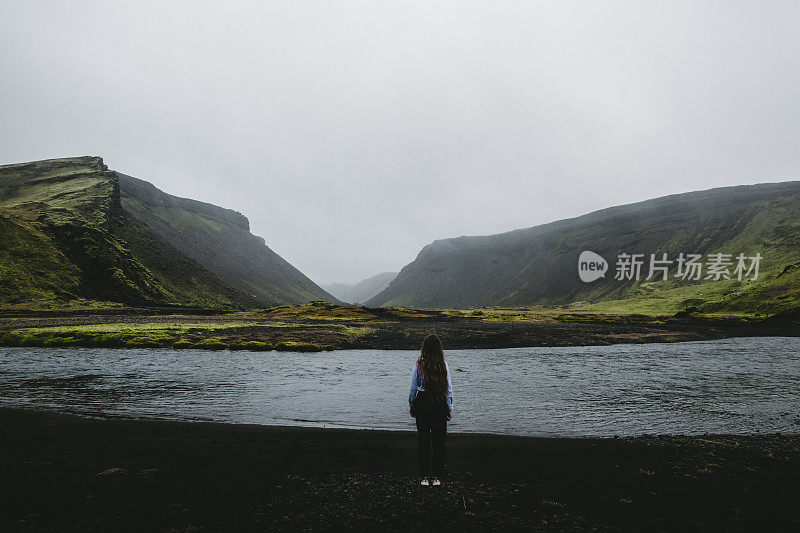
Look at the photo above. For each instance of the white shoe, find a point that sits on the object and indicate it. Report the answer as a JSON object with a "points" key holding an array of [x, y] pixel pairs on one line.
{"points": [[436, 482], [425, 482]]}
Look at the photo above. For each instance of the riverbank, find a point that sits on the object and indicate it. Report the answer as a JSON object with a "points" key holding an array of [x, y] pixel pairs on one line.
{"points": [[62, 472], [320, 326]]}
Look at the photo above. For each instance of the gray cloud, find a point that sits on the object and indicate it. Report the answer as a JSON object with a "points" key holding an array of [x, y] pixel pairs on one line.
{"points": [[353, 133]]}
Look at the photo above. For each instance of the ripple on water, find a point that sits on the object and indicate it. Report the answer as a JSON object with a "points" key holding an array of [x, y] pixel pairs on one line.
{"points": [[744, 385]]}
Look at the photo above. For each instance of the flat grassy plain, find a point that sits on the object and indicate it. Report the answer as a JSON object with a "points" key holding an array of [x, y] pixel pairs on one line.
{"points": [[321, 326]]}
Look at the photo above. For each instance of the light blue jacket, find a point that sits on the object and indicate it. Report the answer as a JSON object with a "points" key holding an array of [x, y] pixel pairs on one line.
{"points": [[416, 385]]}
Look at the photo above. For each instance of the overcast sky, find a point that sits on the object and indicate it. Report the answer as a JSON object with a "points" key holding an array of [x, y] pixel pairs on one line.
{"points": [[351, 134]]}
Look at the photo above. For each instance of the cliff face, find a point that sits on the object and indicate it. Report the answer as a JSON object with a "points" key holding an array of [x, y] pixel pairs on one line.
{"points": [[147, 194], [220, 241], [539, 265], [58, 190], [74, 231]]}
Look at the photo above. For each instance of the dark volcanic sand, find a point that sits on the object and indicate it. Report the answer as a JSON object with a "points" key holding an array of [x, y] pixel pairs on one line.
{"points": [[61, 472]]}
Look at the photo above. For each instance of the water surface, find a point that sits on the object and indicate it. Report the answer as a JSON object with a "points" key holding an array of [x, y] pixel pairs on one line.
{"points": [[744, 385]]}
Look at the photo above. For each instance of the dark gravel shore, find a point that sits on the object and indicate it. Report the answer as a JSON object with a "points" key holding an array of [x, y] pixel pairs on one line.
{"points": [[61, 472]]}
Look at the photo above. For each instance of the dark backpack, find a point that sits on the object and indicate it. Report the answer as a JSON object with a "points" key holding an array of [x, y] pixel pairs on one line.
{"points": [[428, 403]]}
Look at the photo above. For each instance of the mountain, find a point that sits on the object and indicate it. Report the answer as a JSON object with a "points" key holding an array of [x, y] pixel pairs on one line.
{"points": [[363, 290], [539, 265], [74, 232]]}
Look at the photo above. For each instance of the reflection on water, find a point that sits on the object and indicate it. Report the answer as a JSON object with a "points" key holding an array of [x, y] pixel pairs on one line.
{"points": [[729, 386]]}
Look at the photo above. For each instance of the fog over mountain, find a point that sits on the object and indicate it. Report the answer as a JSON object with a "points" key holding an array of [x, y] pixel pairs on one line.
{"points": [[354, 133], [363, 290], [539, 265]]}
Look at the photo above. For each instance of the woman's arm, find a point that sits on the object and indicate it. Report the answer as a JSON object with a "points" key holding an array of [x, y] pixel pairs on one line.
{"points": [[449, 395], [413, 392]]}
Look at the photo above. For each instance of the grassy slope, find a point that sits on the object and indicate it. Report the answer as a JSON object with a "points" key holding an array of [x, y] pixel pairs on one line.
{"points": [[537, 266], [183, 280], [32, 268], [59, 250], [69, 244], [66, 244], [772, 229], [219, 240]]}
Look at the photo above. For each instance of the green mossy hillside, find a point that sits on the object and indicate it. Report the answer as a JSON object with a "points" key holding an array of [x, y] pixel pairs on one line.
{"points": [[538, 266], [69, 242]]}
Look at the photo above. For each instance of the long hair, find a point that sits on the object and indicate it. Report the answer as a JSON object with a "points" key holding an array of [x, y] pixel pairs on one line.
{"points": [[431, 364]]}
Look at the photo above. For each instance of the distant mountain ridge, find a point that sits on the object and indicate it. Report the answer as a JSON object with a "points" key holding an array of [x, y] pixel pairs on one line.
{"points": [[538, 265], [362, 291], [73, 230]]}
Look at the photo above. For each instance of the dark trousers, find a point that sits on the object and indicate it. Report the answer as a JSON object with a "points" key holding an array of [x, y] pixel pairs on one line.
{"points": [[431, 429]]}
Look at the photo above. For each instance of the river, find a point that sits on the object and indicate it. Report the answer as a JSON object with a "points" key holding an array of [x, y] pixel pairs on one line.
{"points": [[737, 386]]}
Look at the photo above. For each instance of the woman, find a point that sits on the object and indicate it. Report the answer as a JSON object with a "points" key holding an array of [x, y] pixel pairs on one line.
{"points": [[431, 403]]}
